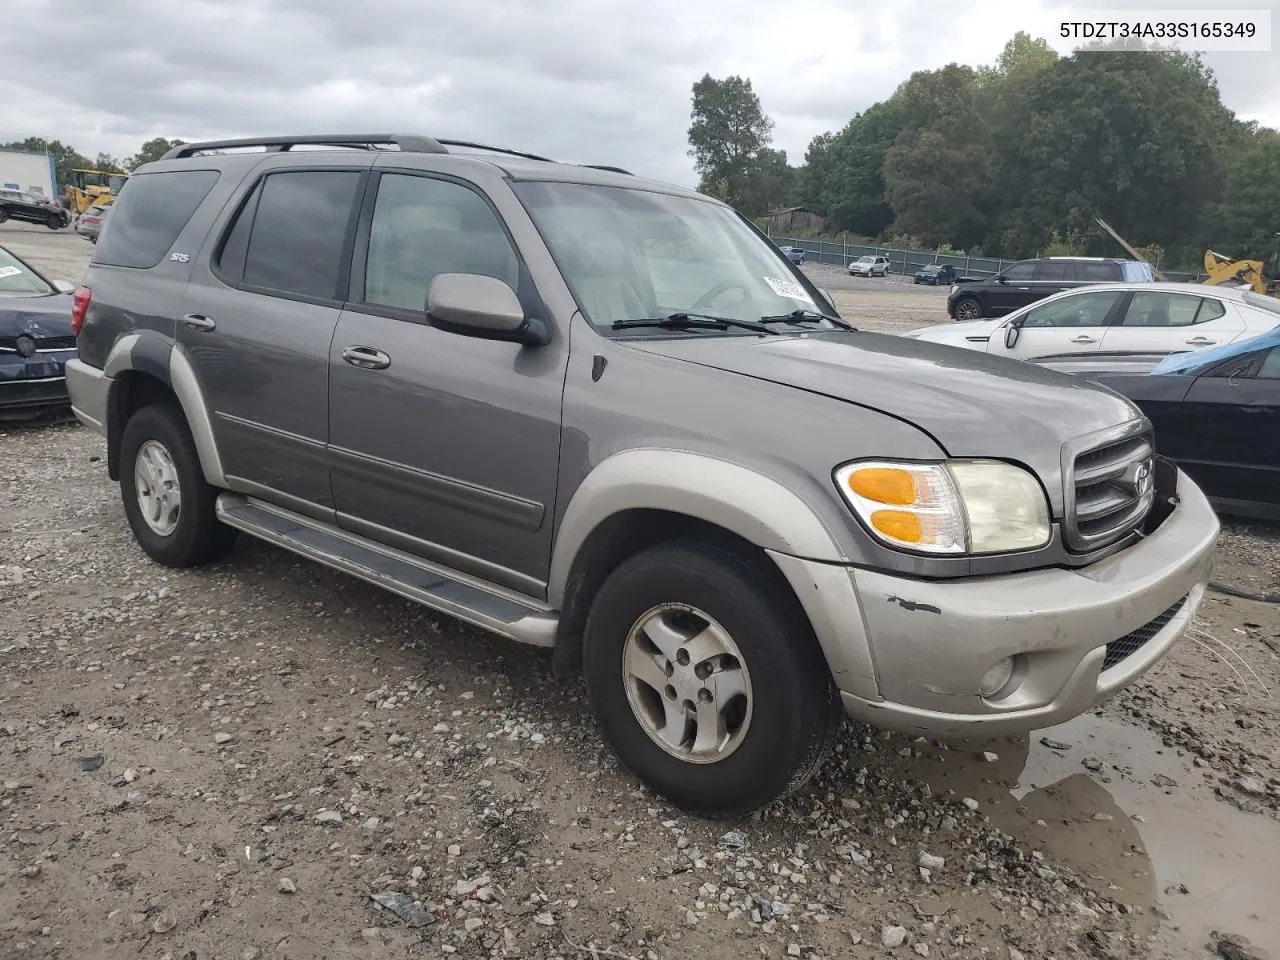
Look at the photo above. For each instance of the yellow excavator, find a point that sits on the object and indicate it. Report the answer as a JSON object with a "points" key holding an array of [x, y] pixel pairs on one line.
{"points": [[88, 188], [1251, 273]]}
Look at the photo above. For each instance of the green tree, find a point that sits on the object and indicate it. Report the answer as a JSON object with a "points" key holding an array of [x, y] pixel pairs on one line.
{"points": [[728, 135], [1244, 220], [106, 161], [844, 172], [152, 150]]}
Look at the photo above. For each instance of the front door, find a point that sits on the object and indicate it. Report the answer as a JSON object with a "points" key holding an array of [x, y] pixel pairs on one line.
{"points": [[1071, 325], [1155, 321], [258, 318], [450, 449], [1012, 288]]}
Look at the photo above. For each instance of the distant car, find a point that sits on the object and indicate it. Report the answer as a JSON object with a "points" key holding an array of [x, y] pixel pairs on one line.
{"points": [[16, 205], [1030, 280], [869, 267], [1122, 320], [794, 254], [935, 274], [1217, 415], [35, 341], [89, 224]]}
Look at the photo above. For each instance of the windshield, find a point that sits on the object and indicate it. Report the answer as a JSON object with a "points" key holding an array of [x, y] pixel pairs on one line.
{"points": [[19, 280], [634, 254], [1196, 362], [866, 259]]}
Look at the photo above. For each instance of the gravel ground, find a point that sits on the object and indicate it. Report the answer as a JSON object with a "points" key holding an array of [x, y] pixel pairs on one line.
{"points": [[268, 759]]}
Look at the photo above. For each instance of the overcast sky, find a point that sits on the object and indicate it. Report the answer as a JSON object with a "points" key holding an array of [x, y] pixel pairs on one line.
{"points": [[590, 81]]}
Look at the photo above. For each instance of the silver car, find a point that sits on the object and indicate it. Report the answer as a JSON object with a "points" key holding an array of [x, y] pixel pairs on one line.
{"points": [[606, 416], [89, 224]]}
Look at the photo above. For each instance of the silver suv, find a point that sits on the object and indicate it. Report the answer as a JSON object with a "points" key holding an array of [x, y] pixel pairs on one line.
{"points": [[607, 416]]}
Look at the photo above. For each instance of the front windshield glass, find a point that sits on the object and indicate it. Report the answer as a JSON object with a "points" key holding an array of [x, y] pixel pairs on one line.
{"points": [[18, 280], [634, 254]]}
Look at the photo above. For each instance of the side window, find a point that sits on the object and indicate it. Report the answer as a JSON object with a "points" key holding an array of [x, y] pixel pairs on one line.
{"points": [[1020, 272], [1169, 310], [1096, 272], [1052, 270], [423, 227], [1080, 310], [148, 215], [1270, 369], [293, 231]]}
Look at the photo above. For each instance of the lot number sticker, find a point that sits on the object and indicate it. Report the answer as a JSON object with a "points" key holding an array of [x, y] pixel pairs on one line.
{"points": [[789, 289], [9, 272]]}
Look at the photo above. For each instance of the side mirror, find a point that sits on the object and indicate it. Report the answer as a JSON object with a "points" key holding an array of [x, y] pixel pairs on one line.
{"points": [[1011, 334], [999, 279], [64, 286], [473, 305]]}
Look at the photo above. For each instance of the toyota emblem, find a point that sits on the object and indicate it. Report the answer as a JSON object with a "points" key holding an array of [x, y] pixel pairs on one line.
{"points": [[1142, 479], [26, 346]]}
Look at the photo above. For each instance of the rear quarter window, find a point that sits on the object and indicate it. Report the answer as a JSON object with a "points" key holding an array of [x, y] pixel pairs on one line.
{"points": [[1094, 272], [148, 215]]}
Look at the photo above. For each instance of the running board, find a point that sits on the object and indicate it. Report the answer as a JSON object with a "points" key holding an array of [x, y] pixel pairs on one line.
{"points": [[434, 586]]}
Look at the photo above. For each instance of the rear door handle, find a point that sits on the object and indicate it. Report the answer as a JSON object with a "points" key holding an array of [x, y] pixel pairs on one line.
{"points": [[1200, 341], [1083, 339], [366, 357], [198, 321]]}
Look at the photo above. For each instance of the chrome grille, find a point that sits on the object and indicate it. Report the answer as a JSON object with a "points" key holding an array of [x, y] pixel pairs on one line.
{"points": [[1111, 488], [10, 344]]}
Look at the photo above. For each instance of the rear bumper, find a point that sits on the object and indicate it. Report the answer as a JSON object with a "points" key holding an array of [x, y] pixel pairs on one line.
{"points": [[910, 655], [88, 388]]}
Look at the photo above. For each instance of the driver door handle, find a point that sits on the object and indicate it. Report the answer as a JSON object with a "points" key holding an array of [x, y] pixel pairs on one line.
{"points": [[366, 357], [1200, 341], [1083, 339]]}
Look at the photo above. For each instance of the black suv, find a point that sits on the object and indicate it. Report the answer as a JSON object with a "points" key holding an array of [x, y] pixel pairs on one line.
{"points": [[16, 205], [1030, 280]]}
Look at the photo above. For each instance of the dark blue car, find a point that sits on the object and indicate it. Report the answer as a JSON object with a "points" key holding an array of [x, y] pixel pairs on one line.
{"points": [[35, 341]]}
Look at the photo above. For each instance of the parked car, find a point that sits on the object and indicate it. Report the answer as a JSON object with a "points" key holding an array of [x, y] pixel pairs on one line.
{"points": [[1216, 413], [869, 267], [89, 224], [1122, 320], [35, 341], [1030, 280], [935, 273], [16, 205], [465, 377], [794, 254]]}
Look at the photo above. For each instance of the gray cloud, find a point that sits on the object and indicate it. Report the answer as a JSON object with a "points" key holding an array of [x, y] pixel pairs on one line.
{"points": [[601, 81]]}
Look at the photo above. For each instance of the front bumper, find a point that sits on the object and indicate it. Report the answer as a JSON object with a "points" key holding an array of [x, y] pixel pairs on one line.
{"points": [[32, 387], [910, 655]]}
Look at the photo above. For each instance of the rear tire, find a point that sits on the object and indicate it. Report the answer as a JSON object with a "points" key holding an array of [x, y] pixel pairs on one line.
{"points": [[735, 659], [4, 215], [54, 222], [168, 502]]}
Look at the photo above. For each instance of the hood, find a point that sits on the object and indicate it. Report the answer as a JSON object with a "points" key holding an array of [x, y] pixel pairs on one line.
{"points": [[972, 404], [40, 317]]}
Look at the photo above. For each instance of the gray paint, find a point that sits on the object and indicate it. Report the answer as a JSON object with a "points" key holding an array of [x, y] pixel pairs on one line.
{"points": [[466, 473]]}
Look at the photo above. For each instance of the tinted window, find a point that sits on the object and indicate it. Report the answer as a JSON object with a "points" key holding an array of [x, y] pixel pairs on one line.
{"points": [[1096, 272], [298, 232], [1080, 310], [1169, 310], [424, 227], [1021, 271], [1135, 272], [1052, 270], [148, 215], [1270, 369]]}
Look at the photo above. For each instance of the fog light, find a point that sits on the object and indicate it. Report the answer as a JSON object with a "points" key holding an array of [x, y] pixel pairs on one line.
{"points": [[995, 679]]}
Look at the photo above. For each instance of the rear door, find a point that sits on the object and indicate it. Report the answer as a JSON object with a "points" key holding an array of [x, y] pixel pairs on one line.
{"points": [[1159, 321], [258, 320], [1067, 326], [1231, 416]]}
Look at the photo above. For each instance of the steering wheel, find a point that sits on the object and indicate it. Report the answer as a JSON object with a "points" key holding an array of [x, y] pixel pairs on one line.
{"points": [[723, 286]]}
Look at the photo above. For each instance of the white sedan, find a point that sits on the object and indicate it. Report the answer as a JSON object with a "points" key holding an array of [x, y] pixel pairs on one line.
{"points": [[1115, 319]]}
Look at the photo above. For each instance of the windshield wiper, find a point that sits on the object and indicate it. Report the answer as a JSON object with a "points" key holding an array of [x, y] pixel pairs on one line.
{"points": [[808, 316], [692, 321]]}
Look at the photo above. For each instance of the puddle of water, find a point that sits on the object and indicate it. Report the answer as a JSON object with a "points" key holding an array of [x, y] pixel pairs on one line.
{"points": [[1228, 860]]}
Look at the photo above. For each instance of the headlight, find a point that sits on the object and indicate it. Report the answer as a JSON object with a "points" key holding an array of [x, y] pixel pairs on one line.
{"points": [[957, 507], [954, 287]]}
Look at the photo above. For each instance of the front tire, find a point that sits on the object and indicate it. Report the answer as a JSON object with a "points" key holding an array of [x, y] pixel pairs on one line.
{"points": [[167, 501], [968, 309], [706, 678]]}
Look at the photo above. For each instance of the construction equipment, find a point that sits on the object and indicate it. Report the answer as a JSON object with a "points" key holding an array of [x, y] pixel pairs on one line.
{"points": [[89, 188], [1250, 273]]}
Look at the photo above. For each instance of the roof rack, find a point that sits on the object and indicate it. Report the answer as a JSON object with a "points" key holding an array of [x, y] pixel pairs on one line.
{"points": [[360, 141]]}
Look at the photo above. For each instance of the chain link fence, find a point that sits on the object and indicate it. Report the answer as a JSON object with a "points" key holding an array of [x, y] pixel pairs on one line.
{"points": [[905, 261]]}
